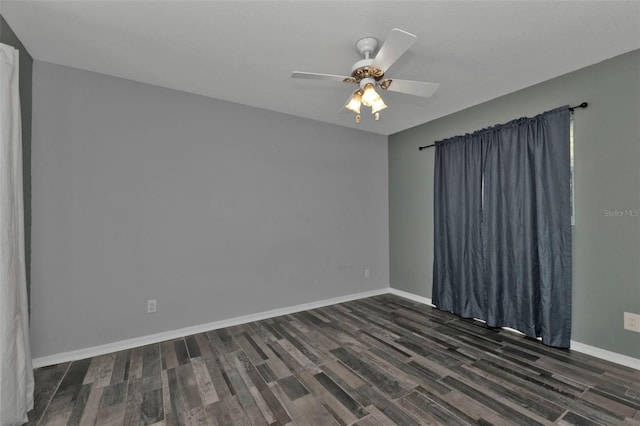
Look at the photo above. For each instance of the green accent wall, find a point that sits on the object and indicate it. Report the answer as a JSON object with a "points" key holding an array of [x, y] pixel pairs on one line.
{"points": [[7, 36], [606, 235]]}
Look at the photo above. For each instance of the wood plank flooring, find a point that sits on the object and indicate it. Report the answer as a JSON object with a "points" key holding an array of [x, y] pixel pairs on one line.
{"points": [[383, 360]]}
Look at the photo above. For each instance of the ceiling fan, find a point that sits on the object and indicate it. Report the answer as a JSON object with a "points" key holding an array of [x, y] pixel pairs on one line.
{"points": [[369, 73]]}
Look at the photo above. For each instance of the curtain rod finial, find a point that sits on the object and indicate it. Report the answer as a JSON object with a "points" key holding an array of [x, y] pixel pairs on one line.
{"points": [[582, 105]]}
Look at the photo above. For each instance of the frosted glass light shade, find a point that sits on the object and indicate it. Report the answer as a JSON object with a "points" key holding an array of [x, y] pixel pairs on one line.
{"points": [[370, 95], [378, 105], [355, 102]]}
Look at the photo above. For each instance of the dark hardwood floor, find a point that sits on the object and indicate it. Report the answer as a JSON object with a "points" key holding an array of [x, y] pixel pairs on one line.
{"points": [[381, 360]]}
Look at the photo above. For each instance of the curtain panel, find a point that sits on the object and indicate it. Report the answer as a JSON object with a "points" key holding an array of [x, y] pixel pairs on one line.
{"points": [[16, 375], [458, 260], [503, 226]]}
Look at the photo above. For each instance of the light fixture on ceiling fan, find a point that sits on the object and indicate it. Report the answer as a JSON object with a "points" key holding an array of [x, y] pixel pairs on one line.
{"points": [[368, 97], [369, 72]]}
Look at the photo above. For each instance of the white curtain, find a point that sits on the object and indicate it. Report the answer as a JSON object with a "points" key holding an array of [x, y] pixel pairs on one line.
{"points": [[16, 374]]}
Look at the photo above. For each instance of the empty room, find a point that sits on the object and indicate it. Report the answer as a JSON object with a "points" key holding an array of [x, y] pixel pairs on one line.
{"points": [[319, 212]]}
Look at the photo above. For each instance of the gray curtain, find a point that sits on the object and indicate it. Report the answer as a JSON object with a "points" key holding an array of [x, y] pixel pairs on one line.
{"points": [[525, 227], [458, 264]]}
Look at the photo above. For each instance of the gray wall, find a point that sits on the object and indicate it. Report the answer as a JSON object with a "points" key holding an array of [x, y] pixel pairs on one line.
{"points": [[7, 36], [216, 210], [606, 279]]}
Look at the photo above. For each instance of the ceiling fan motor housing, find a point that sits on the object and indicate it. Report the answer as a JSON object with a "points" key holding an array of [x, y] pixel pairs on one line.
{"points": [[363, 69]]}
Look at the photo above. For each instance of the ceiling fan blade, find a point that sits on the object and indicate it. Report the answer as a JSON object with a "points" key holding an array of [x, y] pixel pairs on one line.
{"points": [[394, 46], [318, 76], [416, 88]]}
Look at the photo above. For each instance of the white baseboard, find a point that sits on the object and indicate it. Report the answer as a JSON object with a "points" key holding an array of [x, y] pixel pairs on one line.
{"points": [[187, 331], [411, 296], [614, 357]]}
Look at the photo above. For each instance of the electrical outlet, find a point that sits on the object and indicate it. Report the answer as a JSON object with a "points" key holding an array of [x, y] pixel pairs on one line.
{"points": [[632, 322], [151, 306], [366, 273]]}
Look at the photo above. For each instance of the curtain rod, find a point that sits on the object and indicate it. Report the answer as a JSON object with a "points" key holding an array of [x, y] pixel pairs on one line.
{"points": [[573, 108]]}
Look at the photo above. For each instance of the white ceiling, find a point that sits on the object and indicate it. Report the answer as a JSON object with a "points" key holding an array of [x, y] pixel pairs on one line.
{"points": [[245, 51]]}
